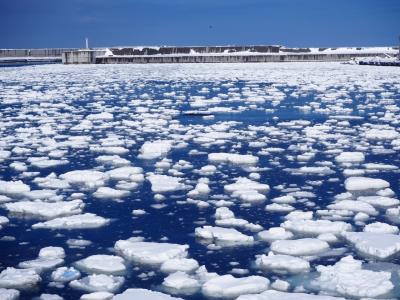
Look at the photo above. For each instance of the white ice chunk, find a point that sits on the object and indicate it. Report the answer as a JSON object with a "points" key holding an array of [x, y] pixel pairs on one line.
{"points": [[299, 215], [317, 227], [97, 296], [124, 173], [223, 236], [86, 178], [52, 252], [379, 227], [232, 158], [243, 183], [64, 274], [46, 210], [164, 183], [207, 170], [229, 287], [354, 206], [350, 157], [41, 195], [181, 282], [105, 192], [247, 190], [300, 247], [381, 134], [44, 163], [13, 188], [276, 295], [201, 189], [379, 201], [156, 149], [347, 278], [150, 252], [9, 294], [97, 283], [41, 264], [223, 213], [142, 294], [103, 116], [187, 265], [87, 220], [276, 207], [104, 264], [20, 279], [113, 160], [282, 264], [373, 244], [274, 233], [354, 184], [138, 212]]}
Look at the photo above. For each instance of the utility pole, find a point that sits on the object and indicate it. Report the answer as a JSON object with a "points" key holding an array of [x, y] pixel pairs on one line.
{"points": [[398, 56], [87, 43]]}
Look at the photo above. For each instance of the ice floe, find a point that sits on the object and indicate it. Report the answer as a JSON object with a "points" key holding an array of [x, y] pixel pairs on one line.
{"points": [[102, 264], [164, 183], [277, 295], [374, 244], [354, 184], [13, 188], [181, 283], [9, 294], [85, 178], [156, 149], [282, 264], [82, 221], [187, 265], [140, 294], [98, 282], [105, 192], [350, 157], [232, 158], [150, 252], [20, 279], [347, 278], [45, 210], [223, 236], [300, 247], [229, 287], [65, 274], [317, 227]]}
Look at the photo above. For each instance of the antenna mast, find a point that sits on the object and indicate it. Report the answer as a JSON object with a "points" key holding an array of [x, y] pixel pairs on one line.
{"points": [[87, 43], [398, 56]]}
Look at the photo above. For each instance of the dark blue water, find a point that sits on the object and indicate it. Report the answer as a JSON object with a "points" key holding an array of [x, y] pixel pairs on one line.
{"points": [[178, 221]]}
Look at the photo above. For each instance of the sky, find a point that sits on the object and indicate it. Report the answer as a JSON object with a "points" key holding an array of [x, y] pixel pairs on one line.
{"points": [[292, 23]]}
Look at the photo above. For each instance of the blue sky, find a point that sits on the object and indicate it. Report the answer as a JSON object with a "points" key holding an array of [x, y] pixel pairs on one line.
{"points": [[294, 23]]}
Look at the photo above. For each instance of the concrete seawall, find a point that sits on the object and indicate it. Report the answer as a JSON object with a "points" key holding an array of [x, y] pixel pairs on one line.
{"points": [[230, 58], [191, 54], [48, 52]]}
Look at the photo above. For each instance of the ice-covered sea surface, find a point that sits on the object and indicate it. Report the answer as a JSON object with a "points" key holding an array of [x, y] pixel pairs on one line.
{"points": [[200, 181]]}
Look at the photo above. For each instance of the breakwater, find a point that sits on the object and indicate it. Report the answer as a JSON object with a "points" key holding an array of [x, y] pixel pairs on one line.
{"points": [[23, 57], [45, 52], [219, 54], [186, 54], [229, 58]]}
